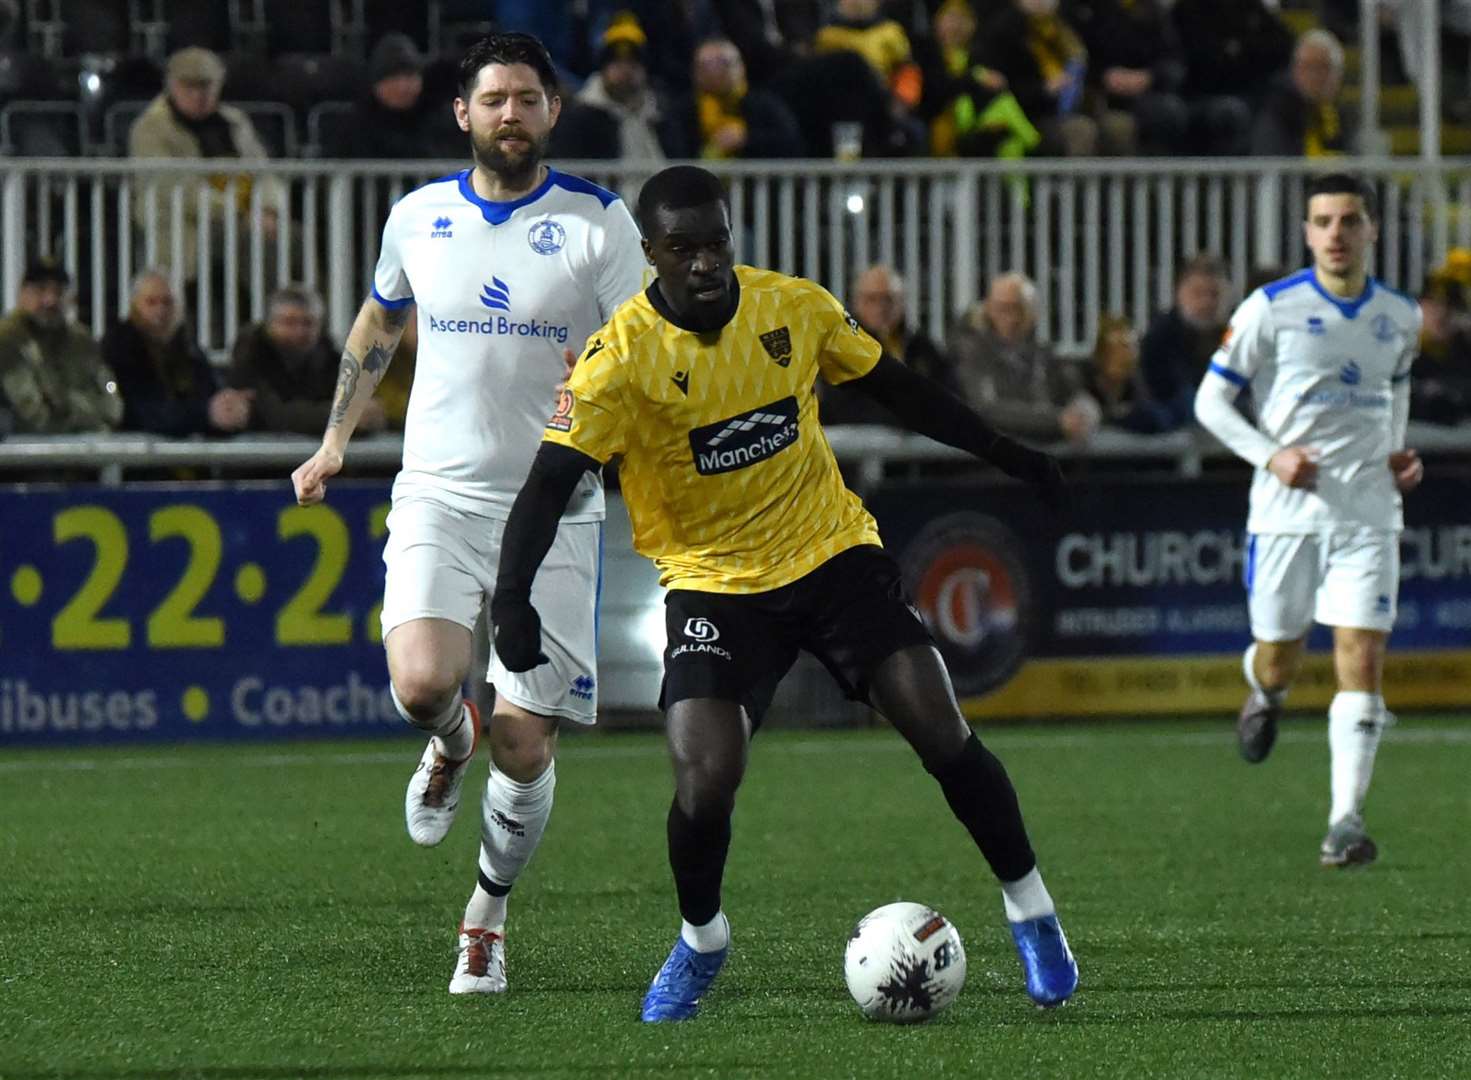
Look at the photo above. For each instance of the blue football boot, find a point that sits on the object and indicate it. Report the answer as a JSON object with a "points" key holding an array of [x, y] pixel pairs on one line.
{"points": [[676, 991], [1052, 973]]}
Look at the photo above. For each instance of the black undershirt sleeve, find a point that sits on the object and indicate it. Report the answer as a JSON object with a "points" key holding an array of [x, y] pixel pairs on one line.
{"points": [[926, 407], [532, 526]]}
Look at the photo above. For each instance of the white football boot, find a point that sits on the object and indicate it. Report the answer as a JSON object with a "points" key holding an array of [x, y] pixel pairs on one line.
{"points": [[433, 795], [480, 967]]}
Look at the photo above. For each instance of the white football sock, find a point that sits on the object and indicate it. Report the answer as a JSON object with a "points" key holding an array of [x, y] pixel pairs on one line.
{"points": [[1248, 668], [1355, 723], [451, 726], [1027, 898], [712, 937], [485, 910], [512, 818]]}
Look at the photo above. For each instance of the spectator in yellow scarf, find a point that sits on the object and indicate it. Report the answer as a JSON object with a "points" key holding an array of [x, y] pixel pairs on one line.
{"points": [[726, 118]]}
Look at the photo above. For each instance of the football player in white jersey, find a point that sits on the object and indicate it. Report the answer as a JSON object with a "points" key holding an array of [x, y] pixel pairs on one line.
{"points": [[509, 266], [1326, 353]]}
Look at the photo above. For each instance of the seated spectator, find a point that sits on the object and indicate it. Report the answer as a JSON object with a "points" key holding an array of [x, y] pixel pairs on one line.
{"points": [[1179, 343], [725, 118], [52, 378], [859, 26], [1232, 51], [967, 105], [877, 300], [394, 121], [188, 122], [1440, 389], [292, 367], [1300, 117], [1113, 380], [1009, 376], [616, 113], [1045, 63], [1135, 66], [167, 383]]}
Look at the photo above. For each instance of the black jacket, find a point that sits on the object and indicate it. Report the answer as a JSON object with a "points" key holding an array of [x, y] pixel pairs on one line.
{"points": [[771, 130], [168, 395], [289, 397], [1230, 46], [1173, 357]]}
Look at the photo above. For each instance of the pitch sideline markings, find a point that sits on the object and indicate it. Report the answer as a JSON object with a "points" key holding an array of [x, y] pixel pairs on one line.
{"points": [[1011, 742]]}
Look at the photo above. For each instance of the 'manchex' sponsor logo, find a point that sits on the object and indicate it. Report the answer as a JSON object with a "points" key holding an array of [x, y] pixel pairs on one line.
{"points": [[441, 229], [745, 439]]}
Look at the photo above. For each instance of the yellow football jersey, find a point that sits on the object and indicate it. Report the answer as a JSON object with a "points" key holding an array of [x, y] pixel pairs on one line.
{"points": [[730, 483]]}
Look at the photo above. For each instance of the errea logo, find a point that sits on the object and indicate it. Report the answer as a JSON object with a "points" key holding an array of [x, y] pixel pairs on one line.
{"points": [[441, 229], [744, 439]]}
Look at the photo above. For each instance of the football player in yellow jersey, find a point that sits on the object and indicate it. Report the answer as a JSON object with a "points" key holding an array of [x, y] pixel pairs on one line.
{"points": [[703, 385]]}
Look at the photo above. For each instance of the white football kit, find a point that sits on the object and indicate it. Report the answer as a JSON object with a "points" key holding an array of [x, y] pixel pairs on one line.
{"points": [[1331, 375], [500, 288]]}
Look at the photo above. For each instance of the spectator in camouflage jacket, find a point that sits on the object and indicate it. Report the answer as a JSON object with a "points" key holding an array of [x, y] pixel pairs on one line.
{"points": [[52, 378]]}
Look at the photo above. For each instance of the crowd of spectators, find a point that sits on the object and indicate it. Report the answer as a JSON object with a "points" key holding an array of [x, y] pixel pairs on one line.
{"points": [[652, 79]]}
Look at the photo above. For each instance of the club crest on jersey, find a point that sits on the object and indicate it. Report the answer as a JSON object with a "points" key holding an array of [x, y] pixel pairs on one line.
{"points": [[778, 345], [546, 237], [1384, 328], [496, 295], [562, 419], [441, 229], [1315, 326]]}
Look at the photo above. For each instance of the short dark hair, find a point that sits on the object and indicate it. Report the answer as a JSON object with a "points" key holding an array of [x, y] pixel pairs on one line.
{"points": [[678, 187], [507, 48], [1341, 184], [1205, 264]]}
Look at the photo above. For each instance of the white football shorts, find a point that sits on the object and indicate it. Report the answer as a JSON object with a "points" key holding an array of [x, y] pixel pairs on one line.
{"points": [[1343, 577], [442, 565]]}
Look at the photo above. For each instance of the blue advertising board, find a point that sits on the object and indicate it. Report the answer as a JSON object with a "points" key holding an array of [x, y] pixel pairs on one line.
{"points": [[1130, 599], [175, 611]]}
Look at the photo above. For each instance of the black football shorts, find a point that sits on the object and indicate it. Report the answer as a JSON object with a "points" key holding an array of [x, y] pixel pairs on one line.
{"points": [[851, 613]]}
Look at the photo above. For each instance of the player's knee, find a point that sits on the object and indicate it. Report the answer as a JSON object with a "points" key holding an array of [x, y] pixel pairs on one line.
{"points": [[520, 755], [705, 792], [425, 688]]}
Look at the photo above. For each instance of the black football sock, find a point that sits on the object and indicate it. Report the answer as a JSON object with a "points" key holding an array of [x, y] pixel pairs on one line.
{"points": [[981, 796], [697, 849]]}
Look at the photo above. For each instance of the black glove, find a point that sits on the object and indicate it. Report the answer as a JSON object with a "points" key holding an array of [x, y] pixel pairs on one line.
{"points": [[516, 628], [1041, 470]]}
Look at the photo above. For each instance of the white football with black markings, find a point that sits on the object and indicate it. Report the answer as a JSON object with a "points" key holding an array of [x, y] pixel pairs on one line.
{"points": [[904, 963]]}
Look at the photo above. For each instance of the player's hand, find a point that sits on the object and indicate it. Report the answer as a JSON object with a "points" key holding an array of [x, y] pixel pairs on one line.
{"points": [[310, 477], [1295, 466], [516, 628], [1041, 470], [1408, 469]]}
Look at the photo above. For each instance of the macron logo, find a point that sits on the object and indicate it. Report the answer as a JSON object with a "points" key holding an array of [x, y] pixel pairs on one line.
{"points": [[441, 229], [496, 295]]}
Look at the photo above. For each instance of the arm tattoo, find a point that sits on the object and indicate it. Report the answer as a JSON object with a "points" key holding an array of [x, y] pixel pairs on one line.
{"points": [[376, 361], [396, 318], [347, 384]]}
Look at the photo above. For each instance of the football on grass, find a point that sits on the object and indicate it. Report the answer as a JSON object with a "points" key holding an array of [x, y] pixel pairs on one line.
{"points": [[904, 963]]}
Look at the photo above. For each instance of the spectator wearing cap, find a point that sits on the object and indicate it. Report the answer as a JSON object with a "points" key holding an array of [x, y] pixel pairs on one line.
{"points": [[291, 366], [1301, 116], [52, 378], [393, 121], [616, 113], [167, 383], [724, 117], [188, 122]]}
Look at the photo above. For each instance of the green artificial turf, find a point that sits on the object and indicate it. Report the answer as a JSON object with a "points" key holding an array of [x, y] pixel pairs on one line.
{"points": [[234, 912]]}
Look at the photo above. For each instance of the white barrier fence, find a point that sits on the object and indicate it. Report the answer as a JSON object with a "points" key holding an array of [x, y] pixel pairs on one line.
{"points": [[1097, 236]]}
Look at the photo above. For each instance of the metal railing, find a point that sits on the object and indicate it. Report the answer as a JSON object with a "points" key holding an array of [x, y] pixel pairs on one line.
{"points": [[1097, 236]]}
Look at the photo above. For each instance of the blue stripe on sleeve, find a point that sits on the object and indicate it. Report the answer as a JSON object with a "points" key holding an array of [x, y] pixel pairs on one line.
{"points": [[1230, 376], [391, 305]]}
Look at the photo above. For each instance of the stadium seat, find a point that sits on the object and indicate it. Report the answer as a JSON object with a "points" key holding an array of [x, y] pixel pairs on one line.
{"points": [[317, 119], [43, 129]]}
